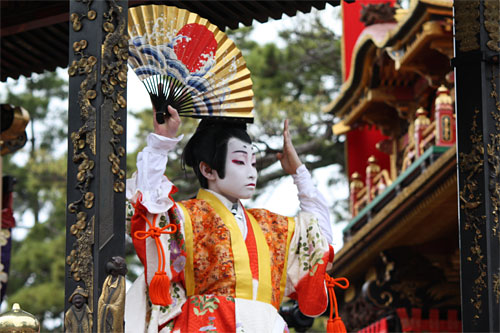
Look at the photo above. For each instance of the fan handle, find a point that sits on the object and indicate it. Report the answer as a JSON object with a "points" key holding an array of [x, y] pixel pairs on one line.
{"points": [[160, 105], [160, 117]]}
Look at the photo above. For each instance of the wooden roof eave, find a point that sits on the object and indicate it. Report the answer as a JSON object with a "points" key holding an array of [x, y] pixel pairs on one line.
{"points": [[27, 21], [431, 32], [369, 97], [351, 90], [394, 40]]}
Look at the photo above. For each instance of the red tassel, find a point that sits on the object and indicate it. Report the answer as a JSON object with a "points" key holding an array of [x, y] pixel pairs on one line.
{"points": [[159, 289], [335, 325]]}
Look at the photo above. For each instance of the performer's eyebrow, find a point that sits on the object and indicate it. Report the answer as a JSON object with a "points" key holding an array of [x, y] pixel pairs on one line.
{"points": [[240, 151]]}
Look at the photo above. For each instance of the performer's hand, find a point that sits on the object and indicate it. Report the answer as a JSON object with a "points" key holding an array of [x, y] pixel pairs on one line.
{"points": [[171, 125], [289, 159]]}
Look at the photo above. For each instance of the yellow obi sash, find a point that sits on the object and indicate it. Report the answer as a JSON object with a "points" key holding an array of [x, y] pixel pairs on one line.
{"points": [[242, 271]]}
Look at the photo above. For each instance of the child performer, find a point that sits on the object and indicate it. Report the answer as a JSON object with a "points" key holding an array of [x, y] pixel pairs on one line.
{"points": [[209, 263]]}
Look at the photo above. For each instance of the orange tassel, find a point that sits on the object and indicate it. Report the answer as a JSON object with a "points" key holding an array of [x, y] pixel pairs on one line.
{"points": [[159, 289], [335, 325]]}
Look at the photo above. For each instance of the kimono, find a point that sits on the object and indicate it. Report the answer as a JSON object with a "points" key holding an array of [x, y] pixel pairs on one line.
{"points": [[229, 268]]}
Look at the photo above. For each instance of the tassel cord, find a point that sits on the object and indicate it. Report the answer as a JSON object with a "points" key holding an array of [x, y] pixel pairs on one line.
{"points": [[155, 232], [330, 284]]}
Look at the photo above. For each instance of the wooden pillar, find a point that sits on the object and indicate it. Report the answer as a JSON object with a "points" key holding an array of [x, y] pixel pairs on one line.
{"points": [[478, 149], [95, 223]]}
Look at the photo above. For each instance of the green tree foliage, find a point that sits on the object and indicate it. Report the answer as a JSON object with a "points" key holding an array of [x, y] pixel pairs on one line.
{"points": [[35, 182], [36, 279]]}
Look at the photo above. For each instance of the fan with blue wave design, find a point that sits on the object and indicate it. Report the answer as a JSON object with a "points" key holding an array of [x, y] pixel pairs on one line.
{"points": [[186, 62]]}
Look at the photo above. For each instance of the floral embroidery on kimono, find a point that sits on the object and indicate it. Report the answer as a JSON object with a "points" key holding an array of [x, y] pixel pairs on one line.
{"points": [[222, 282]]}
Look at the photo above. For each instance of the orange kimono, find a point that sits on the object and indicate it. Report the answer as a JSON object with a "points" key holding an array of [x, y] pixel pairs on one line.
{"points": [[221, 281]]}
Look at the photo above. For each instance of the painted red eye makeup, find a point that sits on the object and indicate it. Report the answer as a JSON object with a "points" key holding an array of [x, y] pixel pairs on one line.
{"points": [[238, 162]]}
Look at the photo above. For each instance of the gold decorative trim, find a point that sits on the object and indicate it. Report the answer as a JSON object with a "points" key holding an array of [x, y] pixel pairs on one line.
{"points": [[386, 296], [494, 92], [493, 151], [80, 259], [114, 81], [430, 31], [471, 165], [440, 3], [424, 204], [340, 128], [76, 18], [467, 25], [496, 286], [491, 23]]}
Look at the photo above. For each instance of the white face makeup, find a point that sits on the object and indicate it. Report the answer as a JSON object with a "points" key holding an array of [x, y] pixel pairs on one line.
{"points": [[241, 174]]}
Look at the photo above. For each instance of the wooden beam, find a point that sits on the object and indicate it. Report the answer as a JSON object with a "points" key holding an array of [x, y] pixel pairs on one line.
{"points": [[59, 48], [213, 11], [6, 43], [34, 24], [258, 10]]}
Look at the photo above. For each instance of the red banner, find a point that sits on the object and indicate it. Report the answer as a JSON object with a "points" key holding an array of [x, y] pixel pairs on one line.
{"points": [[360, 143]]}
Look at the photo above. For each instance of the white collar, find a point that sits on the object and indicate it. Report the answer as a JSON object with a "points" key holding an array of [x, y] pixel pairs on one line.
{"points": [[226, 201]]}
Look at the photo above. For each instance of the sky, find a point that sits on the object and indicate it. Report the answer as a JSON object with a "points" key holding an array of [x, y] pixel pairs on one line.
{"points": [[284, 191]]}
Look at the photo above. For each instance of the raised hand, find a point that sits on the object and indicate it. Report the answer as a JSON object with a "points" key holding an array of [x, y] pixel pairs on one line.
{"points": [[171, 125], [289, 159]]}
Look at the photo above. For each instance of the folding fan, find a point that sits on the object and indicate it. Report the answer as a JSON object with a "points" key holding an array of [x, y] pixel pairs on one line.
{"points": [[186, 62]]}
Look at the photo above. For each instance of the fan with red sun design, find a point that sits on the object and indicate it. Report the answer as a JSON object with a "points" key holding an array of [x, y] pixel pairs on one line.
{"points": [[188, 63]]}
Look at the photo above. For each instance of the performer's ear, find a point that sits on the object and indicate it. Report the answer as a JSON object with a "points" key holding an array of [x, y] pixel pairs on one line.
{"points": [[207, 171]]}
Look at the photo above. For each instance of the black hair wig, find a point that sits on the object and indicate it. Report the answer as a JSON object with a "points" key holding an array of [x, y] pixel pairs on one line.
{"points": [[209, 144]]}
